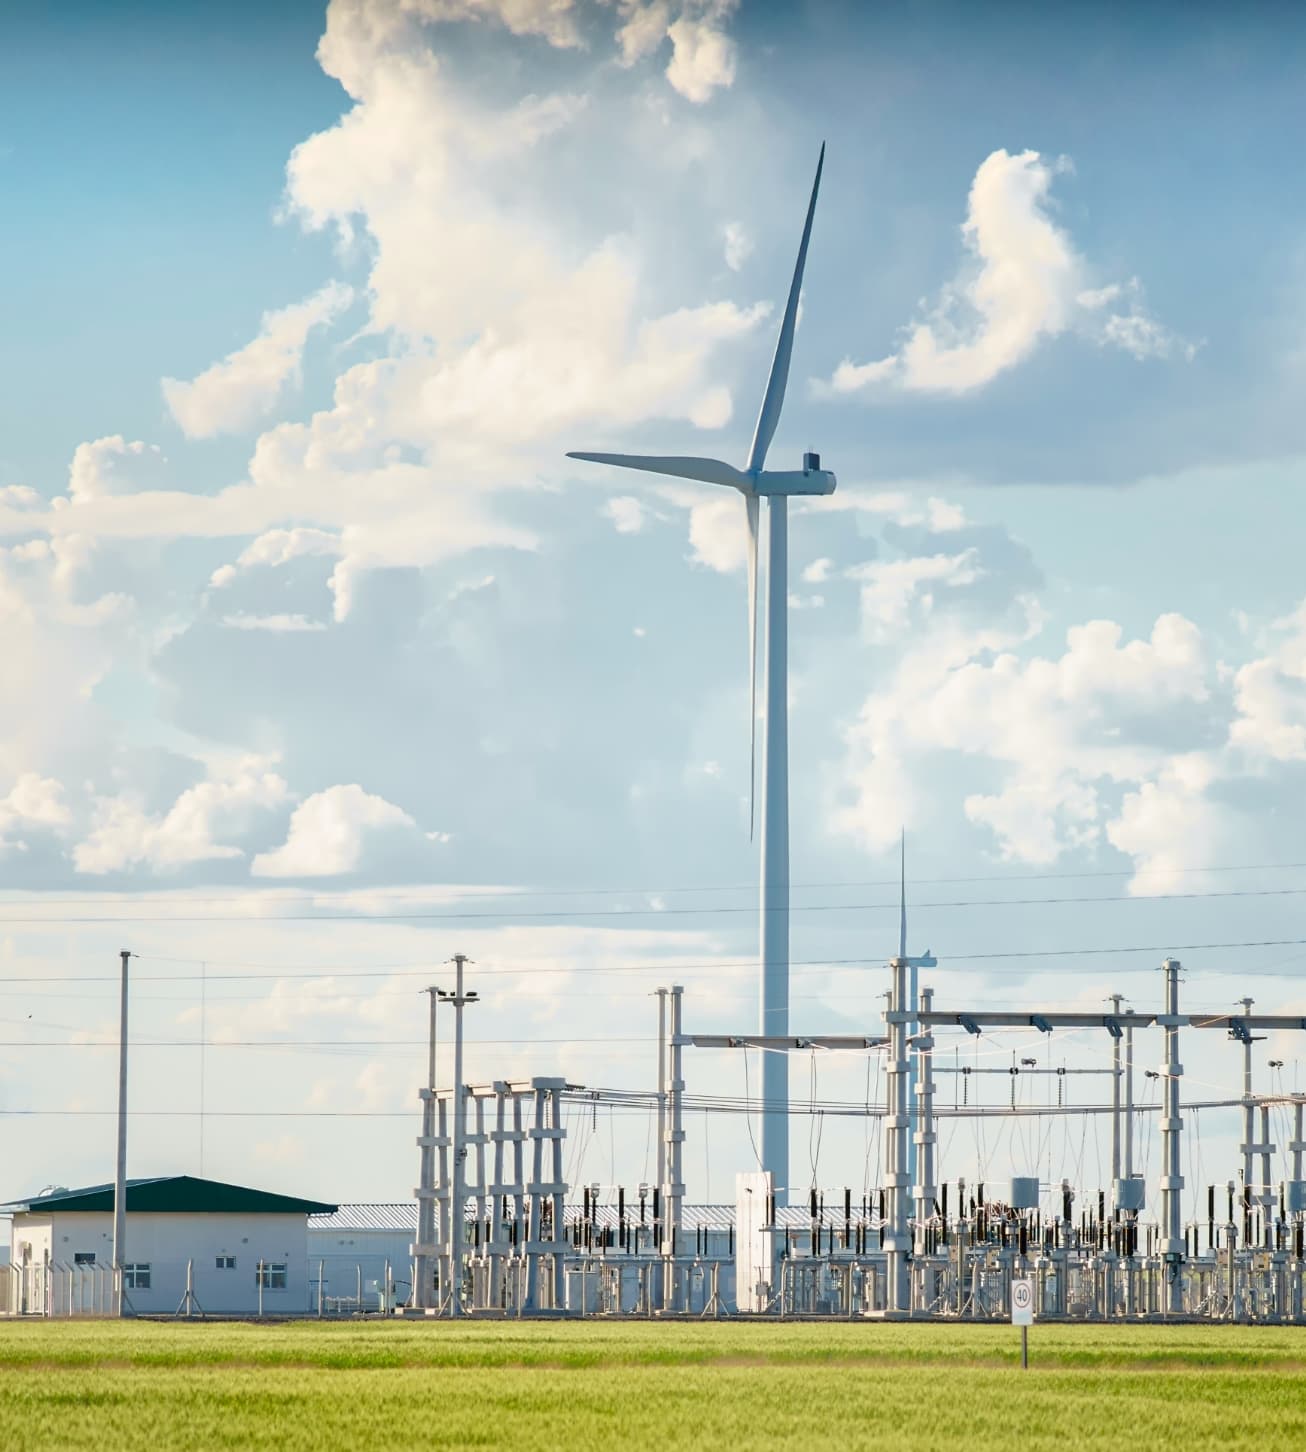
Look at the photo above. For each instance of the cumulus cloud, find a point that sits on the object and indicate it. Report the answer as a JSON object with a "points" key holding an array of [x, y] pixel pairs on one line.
{"points": [[890, 587], [626, 513], [1023, 282], [327, 833], [407, 465], [1170, 825], [111, 466], [239, 390], [57, 649], [124, 834], [703, 53], [32, 801], [1060, 728]]}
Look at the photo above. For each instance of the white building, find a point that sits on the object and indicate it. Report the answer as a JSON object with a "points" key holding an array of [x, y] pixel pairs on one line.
{"points": [[243, 1250]]}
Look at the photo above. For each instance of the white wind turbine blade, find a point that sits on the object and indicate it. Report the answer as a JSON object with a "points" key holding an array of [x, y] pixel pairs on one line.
{"points": [[773, 399], [752, 507], [709, 471]]}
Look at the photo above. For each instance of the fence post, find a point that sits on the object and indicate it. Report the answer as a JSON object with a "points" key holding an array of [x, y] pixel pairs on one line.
{"points": [[319, 1289]]}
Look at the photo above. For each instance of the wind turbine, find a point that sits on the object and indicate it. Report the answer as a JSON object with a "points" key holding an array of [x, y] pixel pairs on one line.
{"points": [[755, 482]]}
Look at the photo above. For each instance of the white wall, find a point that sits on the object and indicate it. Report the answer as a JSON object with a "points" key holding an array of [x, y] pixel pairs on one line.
{"points": [[167, 1242], [348, 1257]]}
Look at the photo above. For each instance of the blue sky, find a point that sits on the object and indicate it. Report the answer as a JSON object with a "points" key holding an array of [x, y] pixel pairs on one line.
{"points": [[308, 614]]}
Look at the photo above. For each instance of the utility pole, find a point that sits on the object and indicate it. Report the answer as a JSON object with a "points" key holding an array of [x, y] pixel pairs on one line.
{"points": [[1172, 1180], [457, 1226], [899, 1178], [924, 1189], [674, 1191], [914, 996], [1129, 1096], [1249, 1125], [1116, 999], [120, 1174], [658, 1271], [426, 1207]]}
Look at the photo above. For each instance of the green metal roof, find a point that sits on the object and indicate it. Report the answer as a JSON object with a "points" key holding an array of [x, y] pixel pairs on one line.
{"points": [[176, 1195]]}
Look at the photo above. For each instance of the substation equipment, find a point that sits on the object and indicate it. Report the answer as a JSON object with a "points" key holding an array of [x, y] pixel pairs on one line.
{"points": [[917, 1246]]}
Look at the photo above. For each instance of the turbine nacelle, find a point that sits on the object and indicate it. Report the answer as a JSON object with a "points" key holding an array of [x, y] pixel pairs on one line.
{"points": [[810, 479]]}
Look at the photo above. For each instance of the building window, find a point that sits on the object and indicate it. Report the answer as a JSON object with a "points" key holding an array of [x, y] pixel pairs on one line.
{"points": [[271, 1275], [83, 1257], [226, 1262], [136, 1277]]}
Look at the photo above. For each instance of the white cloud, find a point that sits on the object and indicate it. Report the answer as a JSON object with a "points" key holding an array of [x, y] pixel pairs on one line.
{"points": [[236, 392], [703, 54], [818, 572], [738, 246], [900, 506], [1169, 826], [643, 28], [124, 835], [327, 832], [277, 624], [626, 513], [109, 466], [386, 21], [717, 529], [406, 467], [57, 649], [32, 801], [1270, 696], [1060, 729], [1024, 283], [891, 587], [277, 547], [1142, 337]]}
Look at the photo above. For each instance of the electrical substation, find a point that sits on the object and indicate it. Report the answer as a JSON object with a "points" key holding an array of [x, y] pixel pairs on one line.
{"points": [[501, 1234]]}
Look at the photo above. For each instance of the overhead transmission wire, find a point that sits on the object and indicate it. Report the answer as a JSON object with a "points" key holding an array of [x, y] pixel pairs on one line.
{"points": [[736, 965], [479, 891], [716, 910], [583, 1100]]}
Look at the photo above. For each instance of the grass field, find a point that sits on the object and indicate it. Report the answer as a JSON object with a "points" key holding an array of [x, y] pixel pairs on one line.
{"points": [[591, 1386]]}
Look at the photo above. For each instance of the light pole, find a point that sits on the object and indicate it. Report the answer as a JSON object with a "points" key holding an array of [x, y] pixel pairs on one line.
{"points": [[120, 1173]]}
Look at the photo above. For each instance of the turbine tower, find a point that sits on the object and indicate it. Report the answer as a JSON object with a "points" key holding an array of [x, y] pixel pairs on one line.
{"points": [[755, 482]]}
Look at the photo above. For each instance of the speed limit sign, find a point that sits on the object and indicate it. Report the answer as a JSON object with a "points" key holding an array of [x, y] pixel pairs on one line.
{"points": [[1022, 1301]]}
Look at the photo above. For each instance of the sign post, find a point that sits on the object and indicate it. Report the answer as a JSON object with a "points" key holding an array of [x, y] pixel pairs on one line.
{"points": [[1022, 1313]]}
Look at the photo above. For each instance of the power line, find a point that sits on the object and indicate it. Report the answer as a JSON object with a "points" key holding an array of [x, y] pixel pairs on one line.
{"points": [[476, 891], [557, 914], [673, 966], [844, 1109]]}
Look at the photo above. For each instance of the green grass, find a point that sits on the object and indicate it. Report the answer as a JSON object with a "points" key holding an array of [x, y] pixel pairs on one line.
{"points": [[592, 1386]]}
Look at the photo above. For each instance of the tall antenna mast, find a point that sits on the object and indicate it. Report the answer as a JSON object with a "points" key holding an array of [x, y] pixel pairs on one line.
{"points": [[902, 869]]}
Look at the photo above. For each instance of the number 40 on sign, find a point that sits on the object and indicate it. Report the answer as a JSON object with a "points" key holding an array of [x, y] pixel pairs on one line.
{"points": [[1022, 1313]]}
